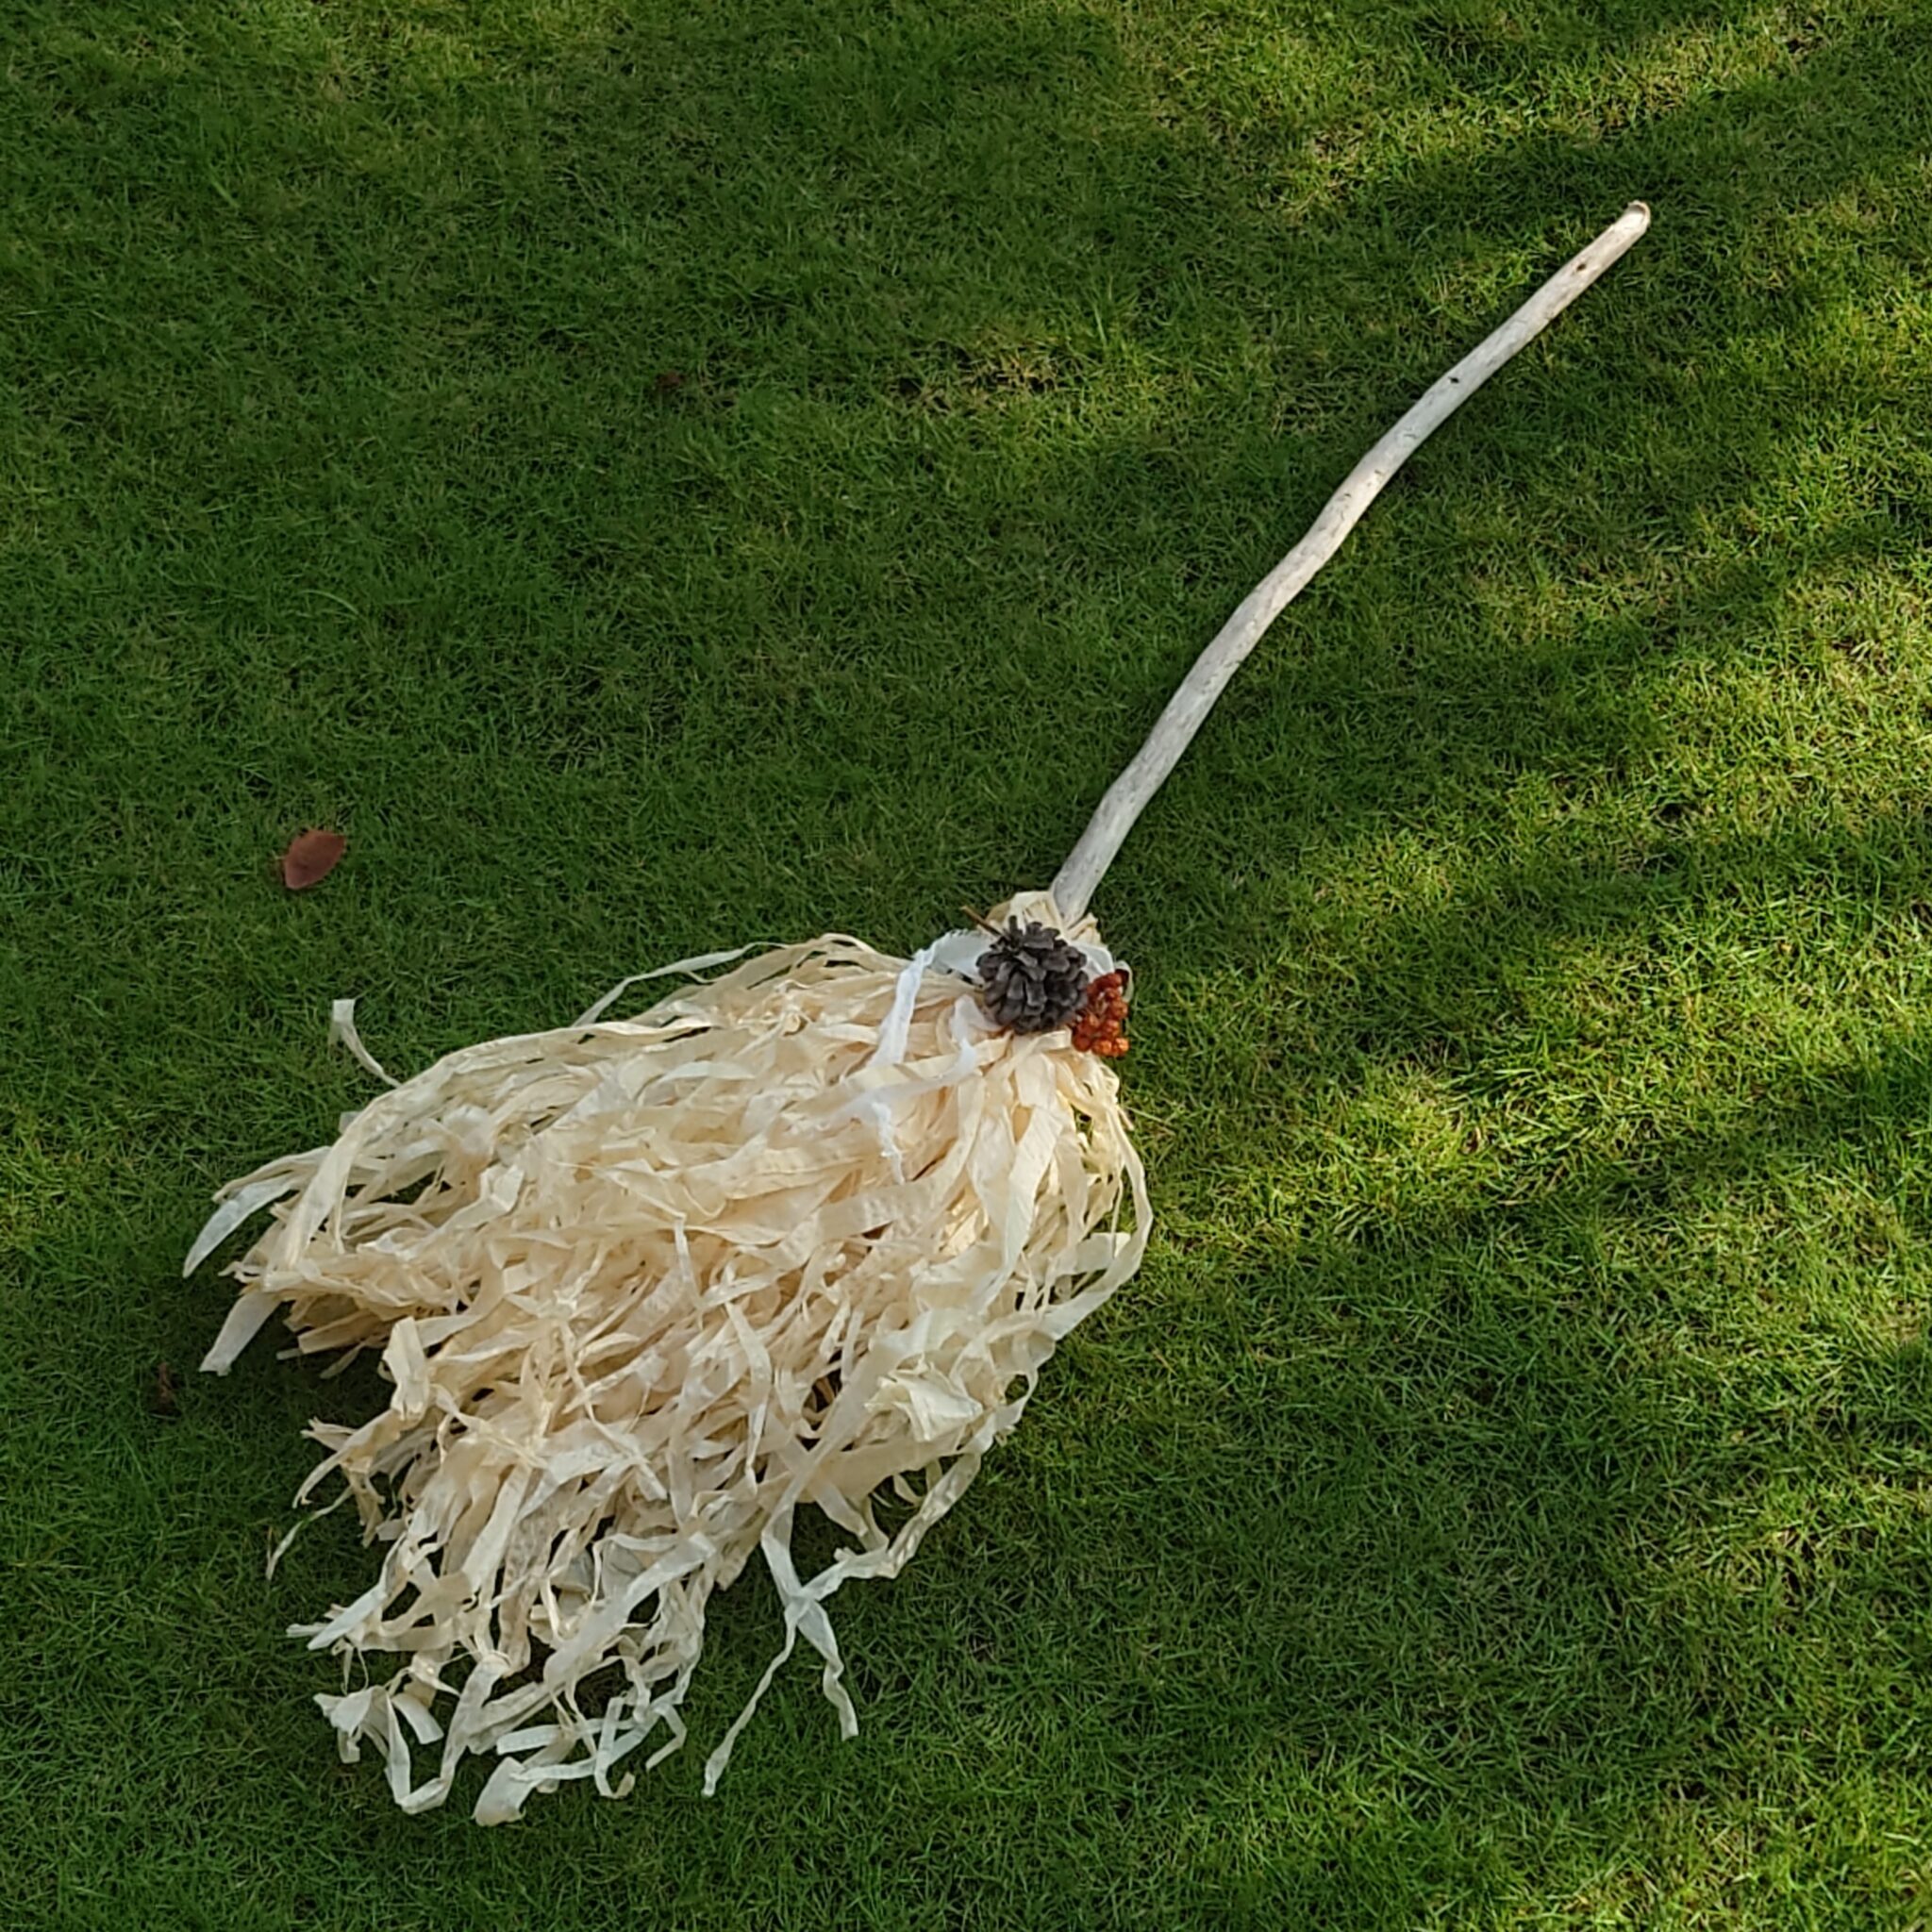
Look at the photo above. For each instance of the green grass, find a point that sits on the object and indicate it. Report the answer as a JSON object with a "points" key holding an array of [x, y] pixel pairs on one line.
{"points": [[661, 476]]}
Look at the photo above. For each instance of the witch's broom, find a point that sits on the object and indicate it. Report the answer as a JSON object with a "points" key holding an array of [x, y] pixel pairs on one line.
{"points": [[644, 1287]]}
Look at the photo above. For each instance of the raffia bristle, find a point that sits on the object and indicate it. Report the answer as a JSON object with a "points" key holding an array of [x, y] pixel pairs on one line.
{"points": [[644, 1289]]}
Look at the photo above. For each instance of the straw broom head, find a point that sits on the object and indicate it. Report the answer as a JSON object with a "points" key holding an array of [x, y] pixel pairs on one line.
{"points": [[800, 1235]]}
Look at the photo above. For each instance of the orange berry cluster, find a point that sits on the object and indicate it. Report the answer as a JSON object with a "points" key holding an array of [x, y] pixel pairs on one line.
{"points": [[1101, 1025]]}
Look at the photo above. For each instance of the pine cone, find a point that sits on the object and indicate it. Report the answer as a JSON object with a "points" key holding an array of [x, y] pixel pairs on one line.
{"points": [[1031, 980]]}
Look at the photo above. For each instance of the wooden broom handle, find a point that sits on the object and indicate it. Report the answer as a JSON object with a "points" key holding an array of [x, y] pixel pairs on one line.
{"points": [[1128, 797]]}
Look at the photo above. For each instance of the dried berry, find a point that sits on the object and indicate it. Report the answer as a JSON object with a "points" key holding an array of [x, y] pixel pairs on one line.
{"points": [[1101, 1025]]}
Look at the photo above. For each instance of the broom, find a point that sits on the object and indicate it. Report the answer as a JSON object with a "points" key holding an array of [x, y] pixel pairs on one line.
{"points": [[802, 1233]]}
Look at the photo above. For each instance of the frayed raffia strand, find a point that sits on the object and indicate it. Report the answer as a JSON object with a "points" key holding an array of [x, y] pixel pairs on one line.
{"points": [[644, 1288]]}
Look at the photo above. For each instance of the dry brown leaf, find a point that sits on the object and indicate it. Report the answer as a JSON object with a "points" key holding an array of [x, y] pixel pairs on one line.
{"points": [[310, 858]]}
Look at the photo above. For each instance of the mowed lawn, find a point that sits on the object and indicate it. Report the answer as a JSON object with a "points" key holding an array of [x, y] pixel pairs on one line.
{"points": [[659, 475]]}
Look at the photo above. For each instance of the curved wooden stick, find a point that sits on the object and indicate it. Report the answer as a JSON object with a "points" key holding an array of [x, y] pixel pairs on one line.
{"points": [[1128, 797]]}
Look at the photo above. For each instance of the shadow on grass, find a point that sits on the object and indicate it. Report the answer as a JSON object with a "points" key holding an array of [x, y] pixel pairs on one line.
{"points": [[1604, 1509]]}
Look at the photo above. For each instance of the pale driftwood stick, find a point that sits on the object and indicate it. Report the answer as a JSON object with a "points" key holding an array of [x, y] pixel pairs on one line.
{"points": [[1128, 797]]}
